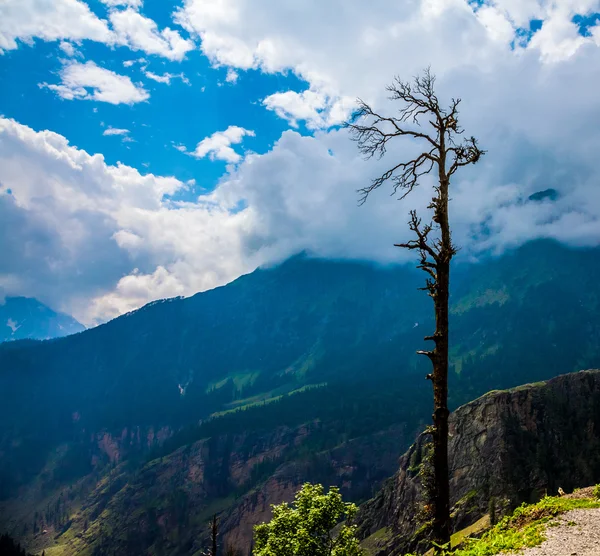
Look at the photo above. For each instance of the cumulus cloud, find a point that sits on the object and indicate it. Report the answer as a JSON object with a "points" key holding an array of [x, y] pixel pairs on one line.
{"points": [[166, 77], [218, 145], [68, 49], [91, 82], [26, 20], [141, 33], [98, 240], [115, 131], [315, 108], [514, 102], [232, 76], [388, 38], [129, 3]]}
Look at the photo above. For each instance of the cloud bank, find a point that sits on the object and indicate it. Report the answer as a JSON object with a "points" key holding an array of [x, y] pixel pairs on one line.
{"points": [[97, 240]]}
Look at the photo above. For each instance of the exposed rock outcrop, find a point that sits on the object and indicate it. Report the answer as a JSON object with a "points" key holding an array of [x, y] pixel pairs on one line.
{"points": [[506, 447], [354, 467]]}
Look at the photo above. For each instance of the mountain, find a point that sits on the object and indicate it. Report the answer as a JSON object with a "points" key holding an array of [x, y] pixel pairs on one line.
{"points": [[127, 435], [505, 448], [27, 318]]}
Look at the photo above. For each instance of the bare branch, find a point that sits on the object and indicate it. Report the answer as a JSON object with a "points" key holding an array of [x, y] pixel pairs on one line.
{"points": [[404, 176], [468, 152], [430, 354], [421, 243], [372, 138]]}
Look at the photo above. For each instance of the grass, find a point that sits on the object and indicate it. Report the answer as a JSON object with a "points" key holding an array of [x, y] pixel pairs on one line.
{"points": [[480, 299], [458, 356], [459, 537], [240, 380], [264, 398], [373, 543], [525, 528]]}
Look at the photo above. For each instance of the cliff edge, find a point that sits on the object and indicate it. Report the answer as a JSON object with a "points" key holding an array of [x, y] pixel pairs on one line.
{"points": [[506, 447]]}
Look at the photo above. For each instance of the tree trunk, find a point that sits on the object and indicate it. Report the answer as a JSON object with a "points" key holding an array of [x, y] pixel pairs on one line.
{"points": [[441, 297], [441, 518]]}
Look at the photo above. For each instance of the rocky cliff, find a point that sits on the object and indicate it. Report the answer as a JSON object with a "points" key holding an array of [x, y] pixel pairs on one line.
{"points": [[506, 447], [165, 504]]}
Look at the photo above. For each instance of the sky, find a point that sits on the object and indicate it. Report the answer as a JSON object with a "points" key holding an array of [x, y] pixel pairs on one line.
{"points": [[151, 149]]}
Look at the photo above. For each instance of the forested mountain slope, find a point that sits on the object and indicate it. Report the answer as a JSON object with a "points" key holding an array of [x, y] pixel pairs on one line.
{"points": [[321, 354]]}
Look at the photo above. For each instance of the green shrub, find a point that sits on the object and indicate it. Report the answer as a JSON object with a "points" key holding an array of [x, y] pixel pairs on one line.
{"points": [[306, 527]]}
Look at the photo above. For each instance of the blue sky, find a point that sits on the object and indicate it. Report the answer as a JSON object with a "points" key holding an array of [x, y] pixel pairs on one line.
{"points": [[177, 113], [158, 148]]}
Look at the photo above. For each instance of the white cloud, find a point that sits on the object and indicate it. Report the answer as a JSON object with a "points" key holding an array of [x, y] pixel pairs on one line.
{"points": [[129, 3], [26, 20], [496, 23], [115, 131], [232, 76], [91, 82], [367, 46], [141, 33], [166, 77], [98, 240], [218, 145], [315, 108], [559, 37], [68, 48]]}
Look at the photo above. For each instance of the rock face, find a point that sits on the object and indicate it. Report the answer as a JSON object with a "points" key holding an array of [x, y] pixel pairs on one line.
{"points": [[164, 505], [354, 467], [506, 447]]}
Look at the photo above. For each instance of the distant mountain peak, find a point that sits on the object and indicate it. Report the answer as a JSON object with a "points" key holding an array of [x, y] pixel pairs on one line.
{"points": [[27, 318]]}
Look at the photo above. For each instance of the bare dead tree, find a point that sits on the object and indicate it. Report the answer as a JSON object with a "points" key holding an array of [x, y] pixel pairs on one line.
{"points": [[421, 118]]}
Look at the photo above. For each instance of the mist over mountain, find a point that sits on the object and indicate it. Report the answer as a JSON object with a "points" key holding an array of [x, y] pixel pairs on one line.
{"points": [[26, 318]]}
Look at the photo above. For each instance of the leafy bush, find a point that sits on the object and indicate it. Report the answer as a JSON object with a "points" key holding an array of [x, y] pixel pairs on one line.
{"points": [[305, 529]]}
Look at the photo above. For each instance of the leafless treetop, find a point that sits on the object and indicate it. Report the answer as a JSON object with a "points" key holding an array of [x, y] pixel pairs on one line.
{"points": [[420, 105]]}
